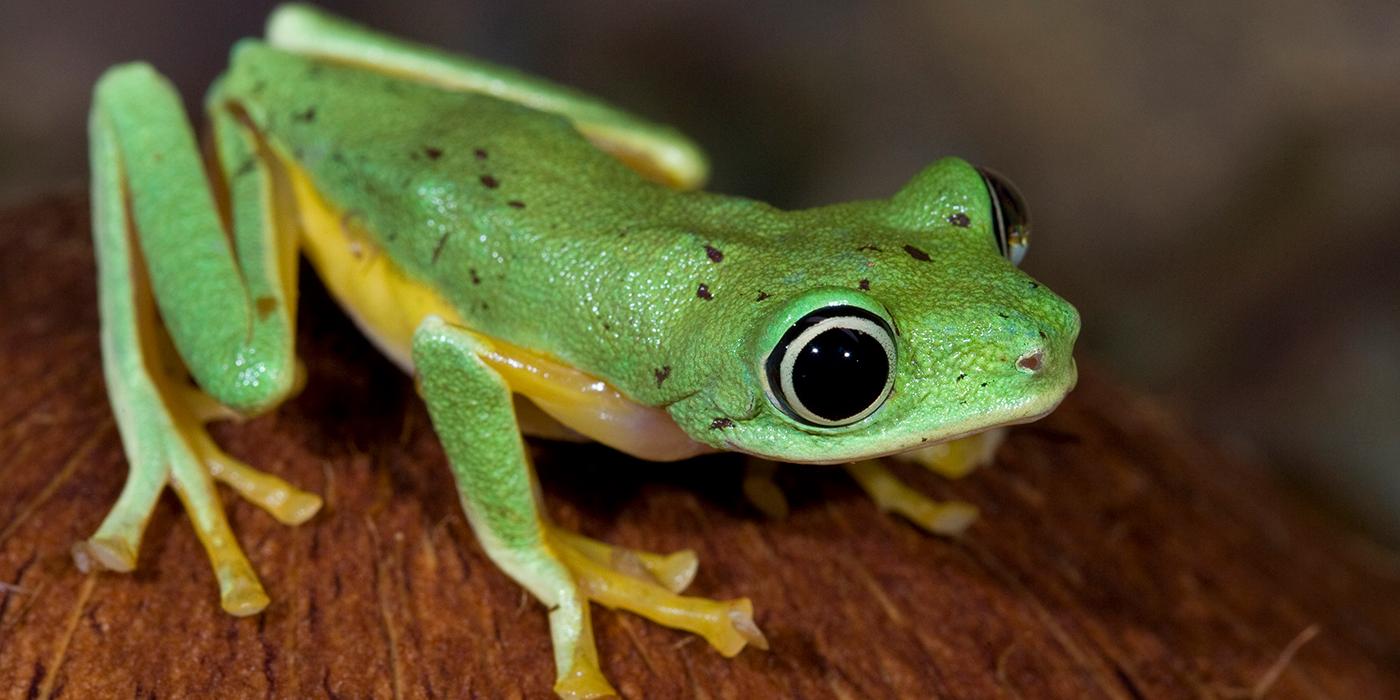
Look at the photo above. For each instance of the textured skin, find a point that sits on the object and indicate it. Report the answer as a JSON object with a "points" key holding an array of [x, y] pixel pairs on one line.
{"points": [[539, 238], [471, 410], [536, 221]]}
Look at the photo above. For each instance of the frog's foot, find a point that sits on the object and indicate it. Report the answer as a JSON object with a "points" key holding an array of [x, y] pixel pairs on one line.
{"points": [[648, 585], [169, 446], [948, 518], [956, 459], [761, 490]]}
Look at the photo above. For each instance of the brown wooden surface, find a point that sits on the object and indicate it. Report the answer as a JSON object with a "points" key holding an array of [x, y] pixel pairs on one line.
{"points": [[1117, 556]]}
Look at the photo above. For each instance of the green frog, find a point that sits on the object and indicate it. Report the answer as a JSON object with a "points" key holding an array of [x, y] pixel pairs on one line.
{"points": [[544, 264]]}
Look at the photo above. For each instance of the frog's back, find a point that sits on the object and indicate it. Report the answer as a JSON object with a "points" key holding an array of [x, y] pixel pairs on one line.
{"points": [[508, 212]]}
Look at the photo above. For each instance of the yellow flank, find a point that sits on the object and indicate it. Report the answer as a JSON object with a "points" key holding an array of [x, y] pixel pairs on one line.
{"points": [[382, 299], [388, 305]]}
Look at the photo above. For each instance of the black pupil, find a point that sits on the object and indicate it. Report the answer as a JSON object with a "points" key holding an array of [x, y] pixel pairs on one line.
{"points": [[840, 373]]}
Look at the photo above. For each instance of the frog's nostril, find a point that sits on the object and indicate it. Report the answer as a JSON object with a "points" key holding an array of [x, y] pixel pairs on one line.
{"points": [[1031, 361]]}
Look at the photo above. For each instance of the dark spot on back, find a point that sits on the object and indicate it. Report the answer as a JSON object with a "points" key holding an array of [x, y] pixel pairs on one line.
{"points": [[916, 254], [662, 374], [437, 249], [1035, 285], [307, 115], [762, 295], [715, 254], [245, 168], [961, 377], [472, 272], [983, 384], [959, 219], [704, 292], [721, 424], [265, 306], [865, 285], [480, 153], [432, 153], [489, 182], [515, 204], [1003, 314], [1042, 334]]}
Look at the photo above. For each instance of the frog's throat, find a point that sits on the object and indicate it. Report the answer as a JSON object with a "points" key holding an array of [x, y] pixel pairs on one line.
{"points": [[388, 306]]}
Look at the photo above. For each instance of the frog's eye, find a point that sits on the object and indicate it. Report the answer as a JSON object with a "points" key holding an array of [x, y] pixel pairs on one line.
{"points": [[1011, 221], [833, 367]]}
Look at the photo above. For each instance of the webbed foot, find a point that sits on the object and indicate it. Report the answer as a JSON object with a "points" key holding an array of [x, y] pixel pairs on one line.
{"points": [[649, 585], [172, 448]]}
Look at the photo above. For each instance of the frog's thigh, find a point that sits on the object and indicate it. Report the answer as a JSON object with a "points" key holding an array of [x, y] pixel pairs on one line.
{"points": [[654, 150], [473, 414], [141, 143], [956, 459]]}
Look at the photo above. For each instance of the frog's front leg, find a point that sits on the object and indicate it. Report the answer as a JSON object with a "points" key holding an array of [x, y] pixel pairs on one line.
{"points": [[953, 459], [956, 459], [160, 241], [948, 518], [474, 417]]}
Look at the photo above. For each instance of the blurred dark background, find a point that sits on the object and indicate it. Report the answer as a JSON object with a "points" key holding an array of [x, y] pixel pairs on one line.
{"points": [[1215, 185]]}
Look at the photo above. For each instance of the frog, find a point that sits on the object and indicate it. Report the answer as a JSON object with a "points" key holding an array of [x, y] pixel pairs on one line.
{"points": [[541, 263]]}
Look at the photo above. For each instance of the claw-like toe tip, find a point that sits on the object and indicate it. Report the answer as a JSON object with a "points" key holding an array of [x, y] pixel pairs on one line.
{"points": [[586, 683], [244, 598], [741, 616], [300, 508], [110, 554], [677, 570], [953, 519]]}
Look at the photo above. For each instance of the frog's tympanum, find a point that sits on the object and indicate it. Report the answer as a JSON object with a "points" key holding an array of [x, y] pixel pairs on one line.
{"points": [[543, 264]]}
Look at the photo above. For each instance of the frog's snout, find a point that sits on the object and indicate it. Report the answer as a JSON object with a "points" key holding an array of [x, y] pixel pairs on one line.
{"points": [[1034, 343]]}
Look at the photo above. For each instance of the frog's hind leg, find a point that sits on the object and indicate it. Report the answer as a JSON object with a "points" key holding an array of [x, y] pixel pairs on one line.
{"points": [[228, 322], [657, 152], [473, 415]]}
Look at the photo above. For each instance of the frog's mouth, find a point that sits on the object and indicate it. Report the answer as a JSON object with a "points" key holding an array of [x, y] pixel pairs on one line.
{"points": [[842, 450]]}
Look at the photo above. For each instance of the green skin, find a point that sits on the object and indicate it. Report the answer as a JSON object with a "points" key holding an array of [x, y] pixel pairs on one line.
{"points": [[540, 239]]}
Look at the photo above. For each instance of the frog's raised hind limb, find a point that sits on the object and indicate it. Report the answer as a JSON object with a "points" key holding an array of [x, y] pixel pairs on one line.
{"points": [[229, 321], [656, 151], [474, 417]]}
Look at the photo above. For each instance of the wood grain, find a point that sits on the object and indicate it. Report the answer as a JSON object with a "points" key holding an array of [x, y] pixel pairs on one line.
{"points": [[1118, 556]]}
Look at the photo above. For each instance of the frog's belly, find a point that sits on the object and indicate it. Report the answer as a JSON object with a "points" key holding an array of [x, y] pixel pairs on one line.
{"points": [[388, 305]]}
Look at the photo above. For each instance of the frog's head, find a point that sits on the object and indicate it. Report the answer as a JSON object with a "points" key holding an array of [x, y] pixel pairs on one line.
{"points": [[905, 322]]}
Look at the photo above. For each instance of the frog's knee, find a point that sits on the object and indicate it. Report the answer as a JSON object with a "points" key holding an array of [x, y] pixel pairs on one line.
{"points": [[125, 76], [436, 338]]}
